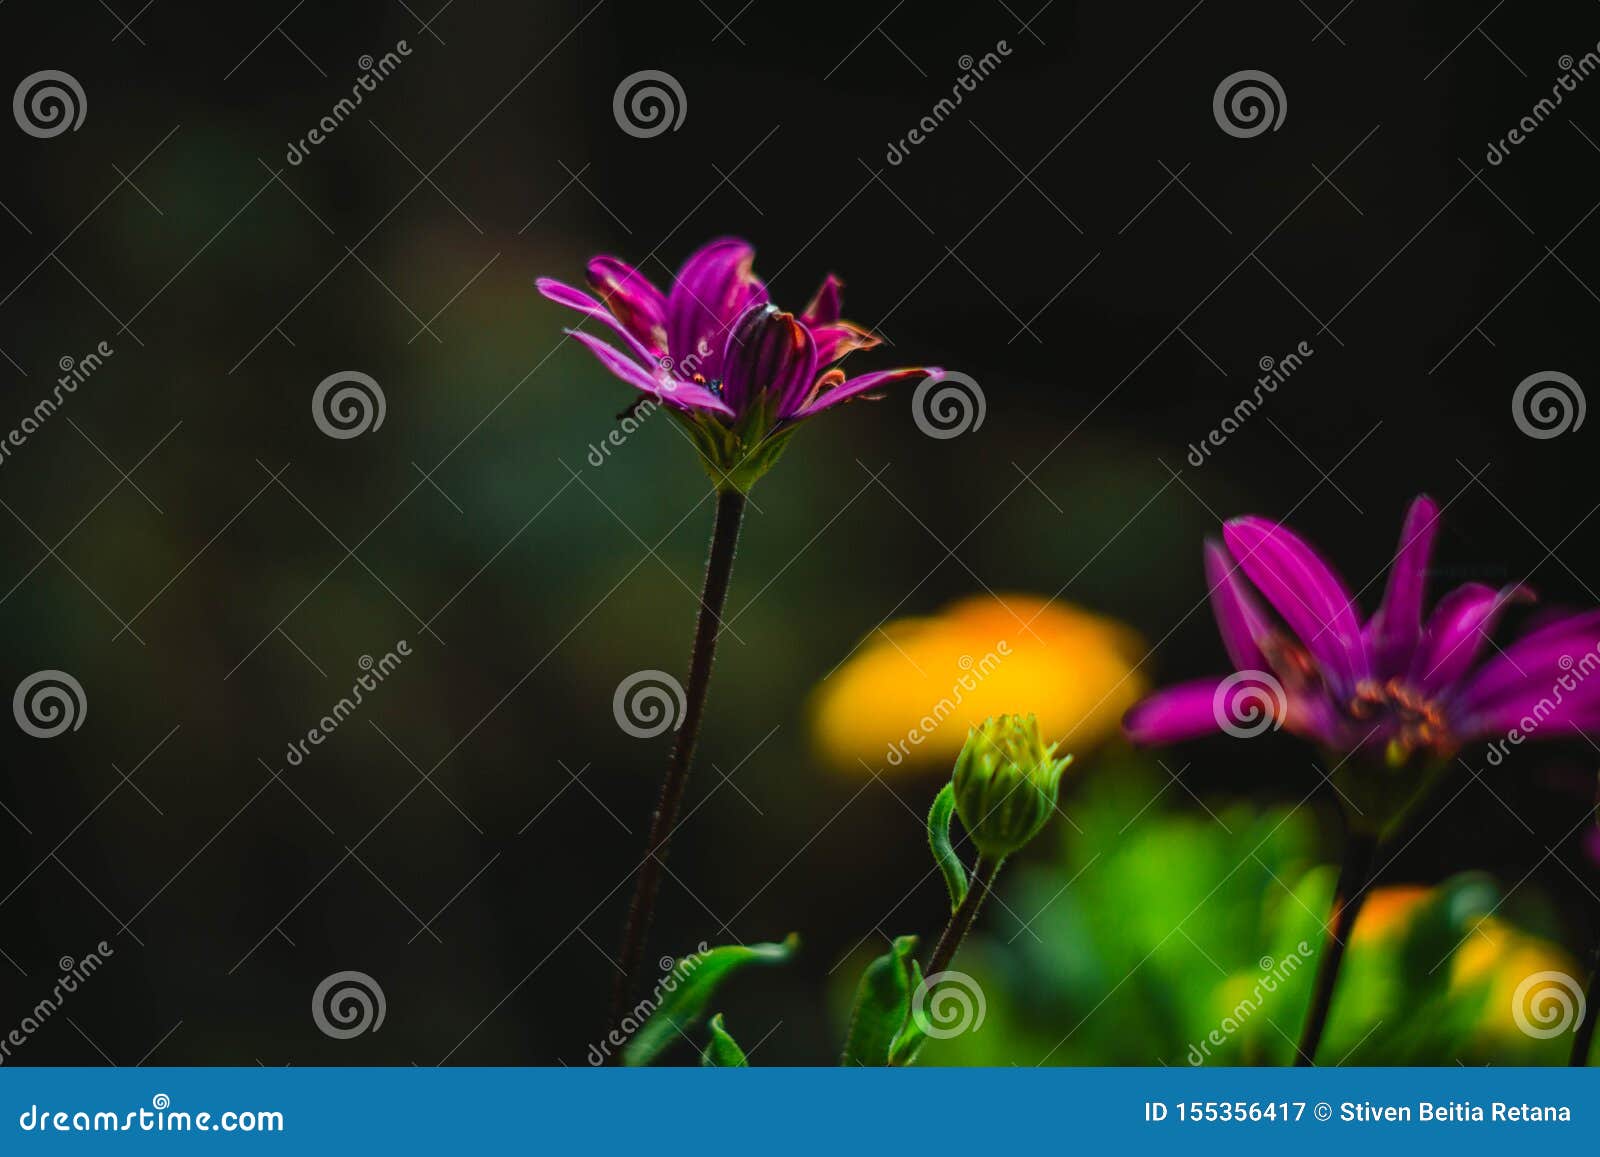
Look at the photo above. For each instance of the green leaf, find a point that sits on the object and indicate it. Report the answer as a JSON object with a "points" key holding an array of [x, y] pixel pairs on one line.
{"points": [[681, 997], [882, 1010], [939, 816], [722, 1051], [909, 1043]]}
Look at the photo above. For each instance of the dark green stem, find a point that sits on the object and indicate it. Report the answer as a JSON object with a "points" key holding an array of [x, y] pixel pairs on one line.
{"points": [[719, 570], [1583, 1036], [983, 874], [1360, 851]]}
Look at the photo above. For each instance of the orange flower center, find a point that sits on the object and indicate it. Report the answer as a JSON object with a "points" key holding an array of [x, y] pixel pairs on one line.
{"points": [[1418, 723]]}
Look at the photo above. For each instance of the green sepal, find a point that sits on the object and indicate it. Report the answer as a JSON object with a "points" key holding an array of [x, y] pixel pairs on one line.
{"points": [[735, 458], [880, 1020], [681, 997], [722, 1051], [939, 817]]}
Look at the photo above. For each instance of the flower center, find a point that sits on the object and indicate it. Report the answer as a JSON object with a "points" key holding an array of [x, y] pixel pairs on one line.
{"points": [[1414, 722]]}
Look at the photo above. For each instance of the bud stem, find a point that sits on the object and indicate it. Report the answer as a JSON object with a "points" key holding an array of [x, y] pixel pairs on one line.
{"points": [[719, 570], [1583, 1037], [1360, 852], [983, 873]]}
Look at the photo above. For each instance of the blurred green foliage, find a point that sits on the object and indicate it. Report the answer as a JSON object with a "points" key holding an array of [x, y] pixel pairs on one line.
{"points": [[1159, 935]]}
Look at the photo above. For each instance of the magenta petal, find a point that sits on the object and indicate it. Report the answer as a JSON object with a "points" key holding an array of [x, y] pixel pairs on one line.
{"points": [[1457, 630], [1393, 633], [1306, 592], [1539, 704], [836, 340], [853, 387], [1535, 667], [769, 354], [1241, 620], [825, 303], [712, 291], [685, 394], [579, 300], [1174, 714], [637, 303]]}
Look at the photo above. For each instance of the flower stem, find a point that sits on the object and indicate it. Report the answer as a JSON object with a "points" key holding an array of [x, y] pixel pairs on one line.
{"points": [[719, 570], [1360, 851], [1583, 1036], [983, 874]]}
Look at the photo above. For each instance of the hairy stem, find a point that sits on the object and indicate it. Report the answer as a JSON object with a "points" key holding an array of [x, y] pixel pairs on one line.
{"points": [[1354, 875], [719, 570], [1583, 1036], [983, 874]]}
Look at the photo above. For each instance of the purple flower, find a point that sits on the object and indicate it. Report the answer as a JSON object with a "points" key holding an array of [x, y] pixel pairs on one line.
{"points": [[716, 351], [1393, 685]]}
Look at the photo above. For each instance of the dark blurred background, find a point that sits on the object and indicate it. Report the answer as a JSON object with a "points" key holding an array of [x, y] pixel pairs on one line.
{"points": [[1080, 237]]}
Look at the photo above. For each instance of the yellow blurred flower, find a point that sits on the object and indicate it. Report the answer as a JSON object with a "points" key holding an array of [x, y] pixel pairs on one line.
{"points": [[1520, 975], [1388, 910], [907, 697]]}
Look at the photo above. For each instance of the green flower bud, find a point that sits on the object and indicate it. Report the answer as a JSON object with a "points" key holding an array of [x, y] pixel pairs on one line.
{"points": [[1006, 780]]}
